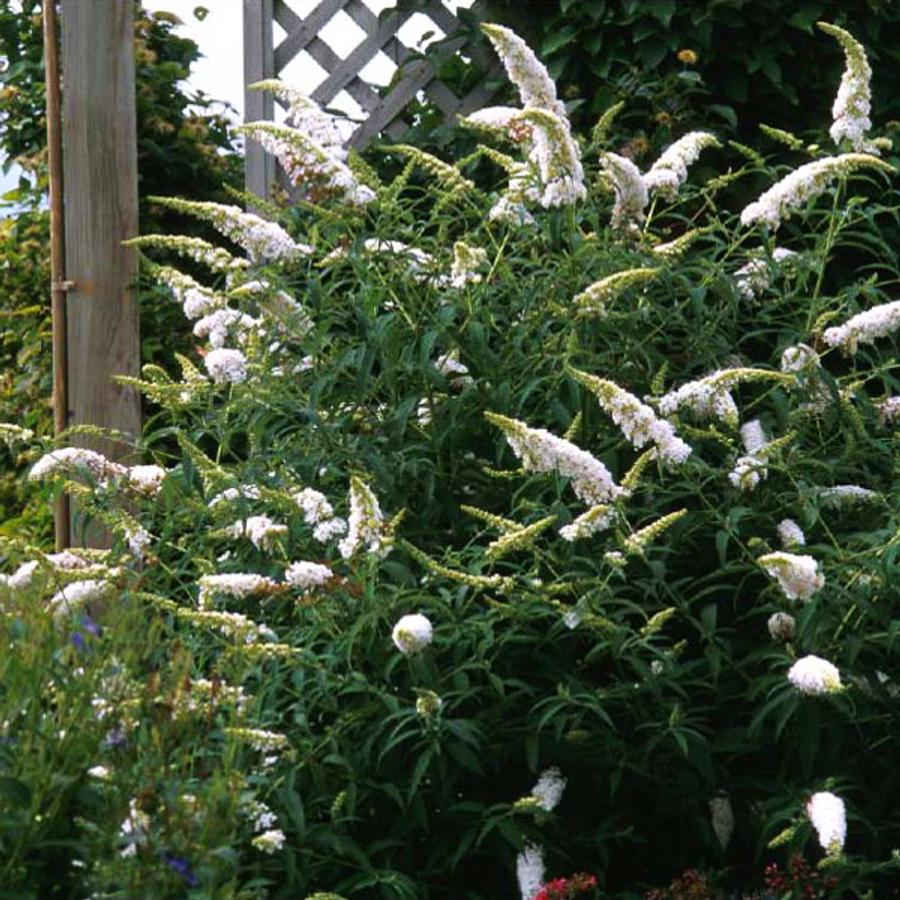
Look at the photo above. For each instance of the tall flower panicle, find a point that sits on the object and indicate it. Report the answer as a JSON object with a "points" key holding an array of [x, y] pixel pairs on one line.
{"points": [[524, 69], [828, 815], [332, 133], [556, 157], [306, 575], [721, 817], [67, 460], [594, 299], [853, 102], [196, 299], [78, 593], [365, 524], [805, 183], [639, 423], [798, 576], [237, 585], [263, 240], [750, 469], [629, 188], [308, 164], [670, 171], [549, 789], [841, 496], [218, 259], [709, 397], [541, 451], [530, 871], [865, 327]]}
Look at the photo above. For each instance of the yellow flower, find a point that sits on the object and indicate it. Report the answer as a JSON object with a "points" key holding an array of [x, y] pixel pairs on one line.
{"points": [[688, 57]]}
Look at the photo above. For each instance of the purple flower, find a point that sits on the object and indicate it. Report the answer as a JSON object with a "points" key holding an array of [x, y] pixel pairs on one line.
{"points": [[78, 641], [182, 867]]}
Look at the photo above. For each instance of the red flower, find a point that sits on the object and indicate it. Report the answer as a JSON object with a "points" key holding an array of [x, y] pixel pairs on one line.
{"points": [[566, 888]]}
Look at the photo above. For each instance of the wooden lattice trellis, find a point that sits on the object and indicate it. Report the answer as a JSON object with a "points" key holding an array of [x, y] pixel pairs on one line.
{"points": [[262, 59]]}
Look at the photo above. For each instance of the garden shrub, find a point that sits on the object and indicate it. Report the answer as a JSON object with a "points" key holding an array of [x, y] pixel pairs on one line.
{"points": [[538, 540]]}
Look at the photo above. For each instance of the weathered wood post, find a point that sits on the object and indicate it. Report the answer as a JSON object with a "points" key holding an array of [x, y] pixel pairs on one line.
{"points": [[101, 210], [259, 63]]}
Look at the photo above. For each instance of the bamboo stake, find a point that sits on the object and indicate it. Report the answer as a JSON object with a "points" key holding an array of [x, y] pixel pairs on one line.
{"points": [[58, 284]]}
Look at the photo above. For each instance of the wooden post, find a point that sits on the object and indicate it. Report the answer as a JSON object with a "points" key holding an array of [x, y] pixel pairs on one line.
{"points": [[259, 63], [57, 250], [101, 210]]}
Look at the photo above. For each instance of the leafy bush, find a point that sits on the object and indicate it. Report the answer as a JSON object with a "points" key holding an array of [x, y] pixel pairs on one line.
{"points": [[551, 525]]}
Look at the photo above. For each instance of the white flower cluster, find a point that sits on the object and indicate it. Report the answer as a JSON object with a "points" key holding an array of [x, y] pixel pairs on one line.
{"points": [[245, 492], [804, 183], [797, 576], [828, 815], [597, 518], [453, 370], [843, 495], [467, 260], [226, 366], [305, 574], [706, 398], [749, 470], [77, 594], [799, 358], [146, 480], [269, 841], [639, 423], [782, 627], [196, 299], [721, 817], [542, 123], [524, 69], [237, 585], [14, 434], [261, 531], [318, 512], [865, 327], [814, 676], [549, 789], [756, 276], [134, 829], [262, 239], [790, 534], [317, 169], [21, 578], [541, 451], [412, 633], [331, 132], [530, 871], [222, 323], [67, 459], [670, 171], [889, 411], [853, 103], [365, 524], [631, 196]]}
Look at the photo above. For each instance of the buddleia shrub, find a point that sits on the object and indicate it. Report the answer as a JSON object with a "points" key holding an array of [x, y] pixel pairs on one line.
{"points": [[531, 540]]}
